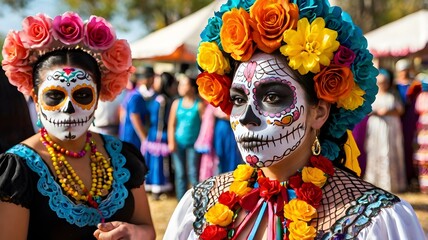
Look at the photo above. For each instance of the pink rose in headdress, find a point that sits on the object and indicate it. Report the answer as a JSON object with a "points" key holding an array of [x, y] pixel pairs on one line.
{"points": [[68, 28], [99, 34], [22, 78], [36, 31], [14, 53], [118, 58], [113, 83]]}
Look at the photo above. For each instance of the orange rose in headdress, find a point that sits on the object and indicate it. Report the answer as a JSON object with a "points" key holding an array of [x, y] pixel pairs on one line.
{"points": [[235, 34], [333, 83], [271, 19], [215, 89]]}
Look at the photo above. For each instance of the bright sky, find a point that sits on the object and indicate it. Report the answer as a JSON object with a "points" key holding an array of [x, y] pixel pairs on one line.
{"points": [[11, 19]]}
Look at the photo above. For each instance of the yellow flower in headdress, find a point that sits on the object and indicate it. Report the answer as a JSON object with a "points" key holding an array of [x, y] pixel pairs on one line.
{"points": [[310, 45], [211, 59], [354, 100]]}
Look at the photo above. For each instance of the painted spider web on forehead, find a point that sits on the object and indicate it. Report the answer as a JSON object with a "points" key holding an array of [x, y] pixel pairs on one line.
{"points": [[267, 67]]}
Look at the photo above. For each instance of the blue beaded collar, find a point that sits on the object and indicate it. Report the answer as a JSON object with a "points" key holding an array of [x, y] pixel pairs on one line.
{"points": [[80, 214]]}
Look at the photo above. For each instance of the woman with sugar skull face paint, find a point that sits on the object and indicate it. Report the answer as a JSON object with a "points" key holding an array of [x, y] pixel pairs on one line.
{"points": [[295, 77], [66, 182]]}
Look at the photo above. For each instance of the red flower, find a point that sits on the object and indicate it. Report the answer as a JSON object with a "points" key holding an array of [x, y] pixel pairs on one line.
{"points": [[323, 164], [310, 193], [228, 198], [295, 181], [213, 232], [268, 188]]}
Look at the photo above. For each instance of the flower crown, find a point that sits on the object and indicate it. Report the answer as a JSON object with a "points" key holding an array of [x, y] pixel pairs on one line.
{"points": [[315, 38], [41, 34]]}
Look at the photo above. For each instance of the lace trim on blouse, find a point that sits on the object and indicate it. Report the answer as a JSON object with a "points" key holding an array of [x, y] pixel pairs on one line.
{"points": [[80, 214], [355, 212], [359, 215]]}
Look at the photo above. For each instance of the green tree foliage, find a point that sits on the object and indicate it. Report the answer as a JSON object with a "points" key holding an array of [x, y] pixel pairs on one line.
{"points": [[371, 14], [155, 14]]}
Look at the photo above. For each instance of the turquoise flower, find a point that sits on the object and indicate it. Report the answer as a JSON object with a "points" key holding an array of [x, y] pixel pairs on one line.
{"points": [[330, 149], [312, 9], [234, 4], [211, 33], [334, 21]]}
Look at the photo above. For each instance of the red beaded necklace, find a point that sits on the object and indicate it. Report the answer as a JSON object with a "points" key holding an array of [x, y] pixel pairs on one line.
{"points": [[47, 141], [101, 169]]}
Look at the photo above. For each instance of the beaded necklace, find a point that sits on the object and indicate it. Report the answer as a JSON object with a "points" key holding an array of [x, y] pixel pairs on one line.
{"points": [[291, 205], [101, 171]]}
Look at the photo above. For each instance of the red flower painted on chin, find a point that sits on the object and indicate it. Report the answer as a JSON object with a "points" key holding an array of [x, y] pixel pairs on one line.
{"points": [[252, 160], [268, 188], [310, 193], [213, 232], [228, 198]]}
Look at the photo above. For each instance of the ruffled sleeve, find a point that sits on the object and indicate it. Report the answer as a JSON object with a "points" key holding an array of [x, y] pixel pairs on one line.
{"points": [[136, 165], [16, 184], [397, 222], [180, 225]]}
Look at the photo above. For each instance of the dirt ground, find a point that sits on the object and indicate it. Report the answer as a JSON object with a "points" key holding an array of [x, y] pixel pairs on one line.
{"points": [[162, 209]]}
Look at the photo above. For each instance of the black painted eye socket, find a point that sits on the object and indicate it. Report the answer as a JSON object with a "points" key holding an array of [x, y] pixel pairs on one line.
{"points": [[53, 97], [238, 97], [274, 97], [83, 96]]}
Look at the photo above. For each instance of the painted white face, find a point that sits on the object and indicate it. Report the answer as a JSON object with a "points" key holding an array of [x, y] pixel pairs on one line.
{"points": [[268, 116], [67, 100]]}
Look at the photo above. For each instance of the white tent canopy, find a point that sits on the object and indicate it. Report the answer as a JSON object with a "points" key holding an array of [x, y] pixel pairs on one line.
{"points": [[404, 36], [175, 42]]}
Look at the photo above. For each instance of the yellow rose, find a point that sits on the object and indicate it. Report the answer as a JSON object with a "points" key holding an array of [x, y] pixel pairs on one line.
{"points": [[314, 175], [219, 214], [240, 188], [299, 210], [211, 59], [301, 231], [243, 172]]}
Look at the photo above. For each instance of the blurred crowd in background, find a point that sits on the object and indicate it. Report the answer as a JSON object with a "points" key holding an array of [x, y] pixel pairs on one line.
{"points": [[185, 140]]}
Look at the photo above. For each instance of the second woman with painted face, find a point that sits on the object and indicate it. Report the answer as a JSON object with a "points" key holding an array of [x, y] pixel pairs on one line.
{"points": [[66, 182]]}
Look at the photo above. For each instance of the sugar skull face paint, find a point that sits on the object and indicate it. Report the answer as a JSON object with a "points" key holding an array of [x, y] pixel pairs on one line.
{"points": [[67, 100], [268, 115]]}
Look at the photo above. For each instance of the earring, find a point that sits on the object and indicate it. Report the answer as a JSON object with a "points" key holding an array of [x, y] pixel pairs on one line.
{"points": [[93, 122], [316, 147], [39, 122]]}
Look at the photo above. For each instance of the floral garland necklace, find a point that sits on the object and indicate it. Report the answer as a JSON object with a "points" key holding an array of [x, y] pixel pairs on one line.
{"points": [[252, 191], [101, 169]]}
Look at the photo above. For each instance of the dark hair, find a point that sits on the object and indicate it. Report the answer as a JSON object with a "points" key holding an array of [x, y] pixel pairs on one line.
{"points": [[16, 122], [166, 81], [146, 72], [74, 57]]}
